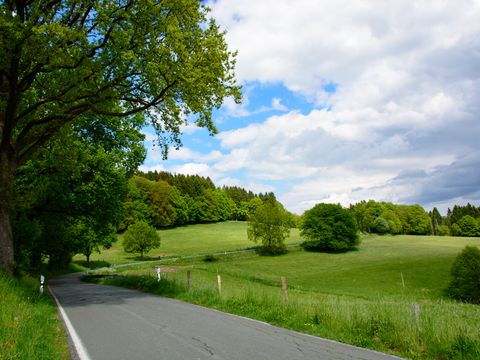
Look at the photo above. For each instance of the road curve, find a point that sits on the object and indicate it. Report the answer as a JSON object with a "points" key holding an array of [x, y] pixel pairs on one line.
{"points": [[117, 323]]}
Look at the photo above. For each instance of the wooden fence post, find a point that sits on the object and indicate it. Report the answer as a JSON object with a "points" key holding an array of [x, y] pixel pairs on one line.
{"points": [[284, 289], [416, 314], [219, 283]]}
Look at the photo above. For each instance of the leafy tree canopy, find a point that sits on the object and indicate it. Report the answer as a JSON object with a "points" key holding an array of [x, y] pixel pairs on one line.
{"points": [[140, 238], [70, 195], [62, 61], [269, 224], [329, 227], [466, 226], [406, 219]]}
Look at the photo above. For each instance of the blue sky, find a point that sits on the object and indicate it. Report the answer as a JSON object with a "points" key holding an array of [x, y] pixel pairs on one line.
{"points": [[345, 101]]}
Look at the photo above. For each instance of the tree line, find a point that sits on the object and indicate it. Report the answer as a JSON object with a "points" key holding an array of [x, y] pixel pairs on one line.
{"points": [[162, 199], [388, 218]]}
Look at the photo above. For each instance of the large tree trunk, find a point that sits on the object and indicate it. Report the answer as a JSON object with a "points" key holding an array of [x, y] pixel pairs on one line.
{"points": [[7, 170]]}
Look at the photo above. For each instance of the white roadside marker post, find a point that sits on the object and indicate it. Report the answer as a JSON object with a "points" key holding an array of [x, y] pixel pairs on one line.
{"points": [[42, 282], [159, 273]]}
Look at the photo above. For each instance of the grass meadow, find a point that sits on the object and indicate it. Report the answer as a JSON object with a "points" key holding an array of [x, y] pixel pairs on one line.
{"points": [[387, 295], [30, 327], [185, 240]]}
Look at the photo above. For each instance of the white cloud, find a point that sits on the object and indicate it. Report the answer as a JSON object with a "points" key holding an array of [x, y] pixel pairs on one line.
{"points": [[304, 43], [250, 186], [193, 168], [189, 128], [277, 104], [186, 154], [157, 167]]}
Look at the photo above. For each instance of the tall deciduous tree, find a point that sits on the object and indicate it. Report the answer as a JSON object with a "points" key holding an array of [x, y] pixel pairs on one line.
{"points": [[269, 224], [61, 60]]}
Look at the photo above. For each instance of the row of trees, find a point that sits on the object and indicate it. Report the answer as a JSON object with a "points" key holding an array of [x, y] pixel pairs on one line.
{"points": [[164, 200], [384, 217], [329, 227], [460, 221]]}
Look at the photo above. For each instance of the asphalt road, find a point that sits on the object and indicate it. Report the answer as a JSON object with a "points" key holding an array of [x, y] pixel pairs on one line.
{"points": [[116, 323]]}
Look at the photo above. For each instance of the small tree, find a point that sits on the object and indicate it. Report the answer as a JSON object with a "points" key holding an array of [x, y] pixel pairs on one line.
{"points": [[140, 238], [270, 225], [329, 227], [465, 284]]}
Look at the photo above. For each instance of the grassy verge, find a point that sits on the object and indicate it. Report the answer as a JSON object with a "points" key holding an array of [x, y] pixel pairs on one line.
{"points": [[29, 323]]}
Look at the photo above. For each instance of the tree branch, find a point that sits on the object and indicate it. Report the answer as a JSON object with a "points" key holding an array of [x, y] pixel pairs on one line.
{"points": [[158, 99]]}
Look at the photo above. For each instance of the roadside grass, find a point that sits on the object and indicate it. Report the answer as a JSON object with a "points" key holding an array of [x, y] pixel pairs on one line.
{"points": [[356, 297], [184, 240], [30, 327]]}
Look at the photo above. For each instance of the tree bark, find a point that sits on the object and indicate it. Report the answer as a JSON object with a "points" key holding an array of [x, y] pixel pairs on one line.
{"points": [[7, 170]]}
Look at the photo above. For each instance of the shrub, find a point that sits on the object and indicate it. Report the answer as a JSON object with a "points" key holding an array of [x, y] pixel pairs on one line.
{"points": [[329, 227], [210, 258], [465, 284]]}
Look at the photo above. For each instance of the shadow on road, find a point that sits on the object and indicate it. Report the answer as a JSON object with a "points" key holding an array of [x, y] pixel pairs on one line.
{"points": [[72, 292]]}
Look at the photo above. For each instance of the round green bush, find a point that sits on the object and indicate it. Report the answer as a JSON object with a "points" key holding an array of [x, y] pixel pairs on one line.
{"points": [[329, 227], [465, 284]]}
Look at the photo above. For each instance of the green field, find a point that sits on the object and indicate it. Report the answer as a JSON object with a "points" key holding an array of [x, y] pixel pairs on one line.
{"points": [[186, 240], [365, 297]]}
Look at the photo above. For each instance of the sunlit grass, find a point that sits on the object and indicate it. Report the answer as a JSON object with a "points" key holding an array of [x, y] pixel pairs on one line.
{"points": [[29, 323], [186, 240]]}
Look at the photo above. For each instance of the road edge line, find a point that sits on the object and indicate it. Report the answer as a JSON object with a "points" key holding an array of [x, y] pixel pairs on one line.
{"points": [[82, 352]]}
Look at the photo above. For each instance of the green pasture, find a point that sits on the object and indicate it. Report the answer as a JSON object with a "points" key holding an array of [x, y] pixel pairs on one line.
{"points": [[186, 240], [416, 267], [375, 269], [394, 266]]}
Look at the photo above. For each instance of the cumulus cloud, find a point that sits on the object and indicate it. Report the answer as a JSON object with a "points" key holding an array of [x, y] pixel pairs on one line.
{"points": [[156, 167], [194, 168], [250, 186], [186, 154], [402, 123]]}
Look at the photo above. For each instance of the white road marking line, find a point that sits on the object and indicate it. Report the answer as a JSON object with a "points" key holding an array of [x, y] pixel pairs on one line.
{"points": [[77, 342]]}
